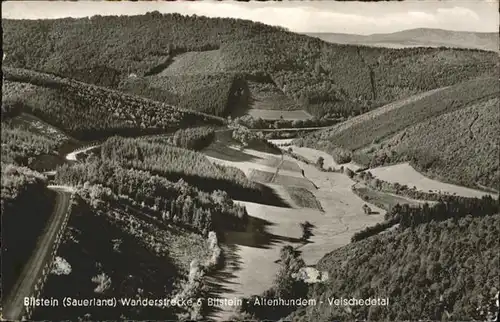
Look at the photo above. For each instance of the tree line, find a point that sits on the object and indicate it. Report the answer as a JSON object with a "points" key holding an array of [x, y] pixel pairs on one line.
{"points": [[193, 138], [259, 123]]}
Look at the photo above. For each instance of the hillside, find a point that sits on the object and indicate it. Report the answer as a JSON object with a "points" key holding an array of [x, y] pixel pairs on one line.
{"points": [[421, 37], [89, 111], [437, 270], [325, 79], [114, 247], [426, 130], [180, 164], [212, 93]]}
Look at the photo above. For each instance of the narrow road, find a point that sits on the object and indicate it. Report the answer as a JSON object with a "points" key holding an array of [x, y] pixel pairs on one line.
{"points": [[13, 307], [292, 129], [72, 155]]}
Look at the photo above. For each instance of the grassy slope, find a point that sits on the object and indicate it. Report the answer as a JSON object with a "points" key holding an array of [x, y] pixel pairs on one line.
{"points": [[426, 121], [89, 111], [207, 62], [329, 78], [462, 271], [382, 199]]}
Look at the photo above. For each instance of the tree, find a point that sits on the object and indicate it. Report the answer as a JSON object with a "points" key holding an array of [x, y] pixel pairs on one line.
{"points": [[349, 172], [306, 230], [320, 162]]}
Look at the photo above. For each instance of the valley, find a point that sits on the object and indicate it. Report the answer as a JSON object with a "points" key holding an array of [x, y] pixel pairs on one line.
{"points": [[164, 156]]}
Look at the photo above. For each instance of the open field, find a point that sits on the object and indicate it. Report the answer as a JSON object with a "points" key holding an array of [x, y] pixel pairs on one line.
{"points": [[244, 159], [288, 181], [261, 176], [384, 200], [283, 164], [277, 114], [251, 255], [251, 258], [405, 174], [195, 62], [267, 96], [312, 155], [280, 179]]}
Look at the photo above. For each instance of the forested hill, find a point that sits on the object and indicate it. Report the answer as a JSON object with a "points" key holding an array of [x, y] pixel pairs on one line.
{"points": [[325, 78], [87, 111], [434, 270]]}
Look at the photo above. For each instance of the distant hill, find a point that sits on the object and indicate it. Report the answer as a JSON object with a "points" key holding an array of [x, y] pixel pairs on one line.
{"points": [[421, 37], [322, 78], [448, 133]]}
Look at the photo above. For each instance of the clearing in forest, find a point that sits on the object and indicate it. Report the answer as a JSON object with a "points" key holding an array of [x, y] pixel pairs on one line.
{"points": [[404, 174], [195, 62]]}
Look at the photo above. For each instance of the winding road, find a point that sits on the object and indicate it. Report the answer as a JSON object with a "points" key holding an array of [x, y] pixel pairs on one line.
{"points": [[36, 268]]}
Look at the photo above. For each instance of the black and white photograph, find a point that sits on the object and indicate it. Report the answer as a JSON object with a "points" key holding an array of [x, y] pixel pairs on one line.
{"points": [[302, 161]]}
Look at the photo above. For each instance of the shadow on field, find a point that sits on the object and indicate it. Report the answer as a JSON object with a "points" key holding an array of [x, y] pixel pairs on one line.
{"points": [[219, 282], [274, 198], [256, 235], [221, 151]]}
